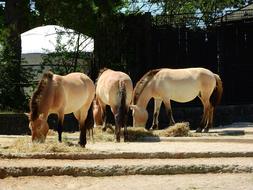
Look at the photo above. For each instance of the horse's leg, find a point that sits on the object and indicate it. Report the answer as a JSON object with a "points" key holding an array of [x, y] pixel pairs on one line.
{"points": [[169, 112], [103, 108], [125, 128], [157, 106], [210, 119], [86, 122], [203, 121], [82, 137], [115, 112], [60, 125]]}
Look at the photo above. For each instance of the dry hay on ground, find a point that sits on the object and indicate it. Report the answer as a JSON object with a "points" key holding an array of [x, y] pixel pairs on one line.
{"points": [[69, 144], [177, 130], [25, 145], [138, 133]]}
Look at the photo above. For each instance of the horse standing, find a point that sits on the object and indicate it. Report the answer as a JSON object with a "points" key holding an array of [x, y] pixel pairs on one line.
{"points": [[180, 85], [113, 88], [72, 93]]}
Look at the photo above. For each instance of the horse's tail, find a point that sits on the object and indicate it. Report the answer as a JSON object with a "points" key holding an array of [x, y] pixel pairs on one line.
{"points": [[217, 92], [122, 111]]}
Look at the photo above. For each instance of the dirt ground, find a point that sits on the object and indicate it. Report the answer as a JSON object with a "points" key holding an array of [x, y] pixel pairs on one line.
{"points": [[220, 181], [162, 182]]}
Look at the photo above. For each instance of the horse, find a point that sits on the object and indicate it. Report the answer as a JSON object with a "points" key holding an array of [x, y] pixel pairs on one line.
{"points": [[115, 89], [72, 93], [179, 85]]}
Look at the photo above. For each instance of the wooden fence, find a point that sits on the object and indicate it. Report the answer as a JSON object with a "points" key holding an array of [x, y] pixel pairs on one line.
{"points": [[135, 44]]}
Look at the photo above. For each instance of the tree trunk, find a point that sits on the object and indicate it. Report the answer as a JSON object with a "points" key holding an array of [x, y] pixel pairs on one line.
{"points": [[15, 23]]}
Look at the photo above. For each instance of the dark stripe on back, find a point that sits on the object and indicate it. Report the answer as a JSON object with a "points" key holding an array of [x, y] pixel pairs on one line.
{"points": [[142, 83]]}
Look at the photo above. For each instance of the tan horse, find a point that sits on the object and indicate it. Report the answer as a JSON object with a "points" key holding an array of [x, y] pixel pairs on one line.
{"points": [[180, 85], [113, 88], [72, 93]]}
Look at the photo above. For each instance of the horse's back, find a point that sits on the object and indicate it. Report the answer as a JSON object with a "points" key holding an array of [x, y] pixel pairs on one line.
{"points": [[77, 88], [183, 85], [108, 86]]}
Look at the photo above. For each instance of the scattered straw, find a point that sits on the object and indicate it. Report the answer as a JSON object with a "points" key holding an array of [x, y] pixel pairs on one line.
{"points": [[177, 130], [69, 144], [25, 145]]}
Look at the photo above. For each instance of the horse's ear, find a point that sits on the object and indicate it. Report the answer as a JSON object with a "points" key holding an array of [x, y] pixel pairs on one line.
{"points": [[133, 107], [27, 114]]}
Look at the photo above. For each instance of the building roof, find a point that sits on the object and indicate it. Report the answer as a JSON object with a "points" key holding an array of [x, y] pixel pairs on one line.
{"points": [[237, 15], [43, 39]]}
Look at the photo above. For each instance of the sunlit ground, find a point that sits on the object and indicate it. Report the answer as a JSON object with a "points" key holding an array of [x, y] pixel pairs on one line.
{"points": [[70, 140]]}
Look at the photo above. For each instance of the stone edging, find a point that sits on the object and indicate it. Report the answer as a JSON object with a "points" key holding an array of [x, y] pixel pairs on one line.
{"points": [[118, 170], [125, 155]]}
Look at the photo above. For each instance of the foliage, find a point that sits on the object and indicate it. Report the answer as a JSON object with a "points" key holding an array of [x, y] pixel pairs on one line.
{"points": [[189, 12], [68, 56], [80, 15], [18, 16], [12, 79]]}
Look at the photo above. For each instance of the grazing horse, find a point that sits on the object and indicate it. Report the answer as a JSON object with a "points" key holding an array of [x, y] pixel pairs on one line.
{"points": [[72, 93], [180, 85], [113, 88]]}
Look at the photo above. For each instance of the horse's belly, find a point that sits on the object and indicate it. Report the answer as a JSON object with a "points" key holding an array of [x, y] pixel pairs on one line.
{"points": [[182, 98], [182, 93], [74, 104]]}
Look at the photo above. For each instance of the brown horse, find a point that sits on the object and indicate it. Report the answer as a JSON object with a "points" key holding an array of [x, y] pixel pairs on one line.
{"points": [[72, 93], [180, 85], [113, 88]]}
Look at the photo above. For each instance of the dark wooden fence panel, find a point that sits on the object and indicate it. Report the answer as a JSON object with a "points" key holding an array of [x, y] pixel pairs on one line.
{"points": [[136, 45]]}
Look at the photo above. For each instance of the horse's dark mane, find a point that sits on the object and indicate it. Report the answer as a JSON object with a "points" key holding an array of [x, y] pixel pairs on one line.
{"points": [[35, 100], [100, 73], [142, 83]]}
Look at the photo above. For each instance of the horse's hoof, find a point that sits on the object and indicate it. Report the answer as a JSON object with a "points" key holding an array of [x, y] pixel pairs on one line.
{"points": [[154, 127], [172, 123], [82, 144], [206, 130], [104, 129], [199, 130]]}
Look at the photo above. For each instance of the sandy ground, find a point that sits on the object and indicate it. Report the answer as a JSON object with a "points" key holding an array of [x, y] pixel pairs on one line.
{"points": [[163, 182], [219, 181]]}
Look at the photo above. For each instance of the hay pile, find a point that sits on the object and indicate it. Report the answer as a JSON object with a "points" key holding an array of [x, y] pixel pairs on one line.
{"points": [[25, 145], [138, 133], [177, 130]]}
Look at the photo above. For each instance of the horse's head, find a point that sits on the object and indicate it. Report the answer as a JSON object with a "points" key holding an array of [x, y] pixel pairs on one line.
{"points": [[97, 113], [140, 116], [39, 128]]}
